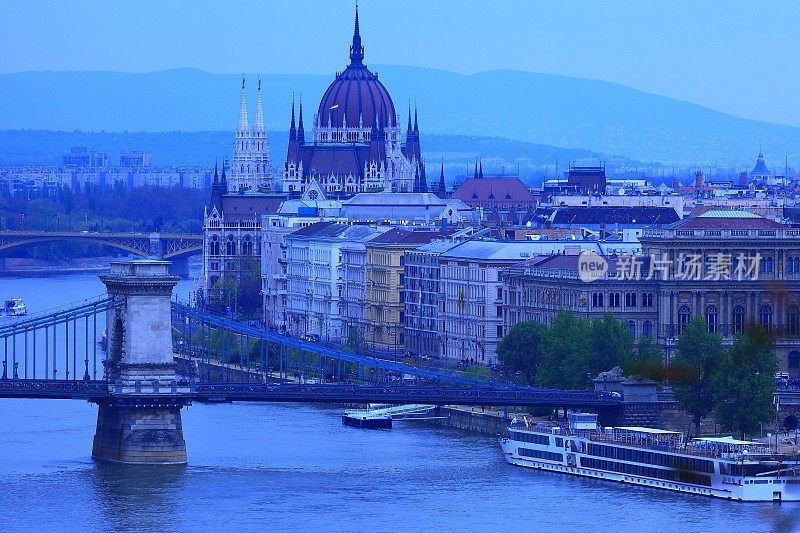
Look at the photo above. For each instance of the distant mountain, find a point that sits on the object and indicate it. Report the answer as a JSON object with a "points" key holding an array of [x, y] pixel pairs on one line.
{"points": [[536, 108]]}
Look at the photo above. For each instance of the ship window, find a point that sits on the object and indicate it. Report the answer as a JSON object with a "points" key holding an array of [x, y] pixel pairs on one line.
{"points": [[541, 454]]}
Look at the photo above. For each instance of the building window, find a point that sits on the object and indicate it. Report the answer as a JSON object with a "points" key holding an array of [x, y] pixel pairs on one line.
{"points": [[765, 316], [711, 318], [214, 245], [499, 310], [247, 245], [632, 328], [597, 299], [499, 331], [230, 246], [647, 329], [684, 315], [793, 361], [647, 299], [767, 265], [738, 319], [793, 320], [499, 293], [630, 299], [613, 299]]}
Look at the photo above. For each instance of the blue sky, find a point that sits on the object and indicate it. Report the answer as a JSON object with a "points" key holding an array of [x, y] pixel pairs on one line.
{"points": [[735, 56]]}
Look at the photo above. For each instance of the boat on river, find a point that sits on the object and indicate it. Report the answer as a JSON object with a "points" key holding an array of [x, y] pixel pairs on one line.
{"points": [[14, 307], [380, 416], [721, 467]]}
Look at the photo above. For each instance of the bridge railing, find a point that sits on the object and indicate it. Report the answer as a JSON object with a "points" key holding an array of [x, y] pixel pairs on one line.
{"points": [[61, 345]]}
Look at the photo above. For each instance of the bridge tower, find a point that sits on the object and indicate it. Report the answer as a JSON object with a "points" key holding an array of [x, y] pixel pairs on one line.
{"points": [[140, 422]]}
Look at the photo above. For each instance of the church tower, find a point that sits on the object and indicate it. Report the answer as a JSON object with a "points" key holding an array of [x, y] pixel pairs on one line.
{"points": [[250, 167]]}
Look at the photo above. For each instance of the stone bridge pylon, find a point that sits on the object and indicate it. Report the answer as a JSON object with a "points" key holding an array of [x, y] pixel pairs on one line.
{"points": [[140, 422]]}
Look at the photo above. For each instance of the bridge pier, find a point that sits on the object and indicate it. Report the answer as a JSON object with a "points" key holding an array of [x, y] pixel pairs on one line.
{"points": [[179, 267], [140, 421]]}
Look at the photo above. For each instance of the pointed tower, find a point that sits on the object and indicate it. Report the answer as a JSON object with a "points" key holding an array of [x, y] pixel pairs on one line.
{"points": [[218, 189], [291, 154], [240, 169], [356, 49], [262, 173], [301, 132], [480, 170], [441, 192]]}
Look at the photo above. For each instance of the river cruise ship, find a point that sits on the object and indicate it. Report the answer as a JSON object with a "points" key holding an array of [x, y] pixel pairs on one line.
{"points": [[722, 467]]}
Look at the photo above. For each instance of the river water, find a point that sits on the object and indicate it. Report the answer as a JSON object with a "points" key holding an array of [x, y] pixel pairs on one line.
{"points": [[293, 467]]}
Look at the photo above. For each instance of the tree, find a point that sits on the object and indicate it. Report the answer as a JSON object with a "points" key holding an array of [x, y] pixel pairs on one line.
{"points": [[647, 361], [521, 350], [612, 344], [692, 368], [565, 353], [744, 384]]}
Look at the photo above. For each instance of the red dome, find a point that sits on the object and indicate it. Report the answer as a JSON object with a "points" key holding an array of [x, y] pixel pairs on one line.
{"points": [[356, 94]]}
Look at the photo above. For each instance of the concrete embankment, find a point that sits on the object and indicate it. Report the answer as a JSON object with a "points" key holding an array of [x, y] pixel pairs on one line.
{"points": [[472, 419]]}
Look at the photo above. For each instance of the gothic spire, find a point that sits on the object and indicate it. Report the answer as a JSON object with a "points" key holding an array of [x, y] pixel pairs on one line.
{"points": [[216, 175], [475, 175], [244, 124], [224, 179], [356, 49], [292, 128], [259, 124], [408, 131], [416, 124], [442, 187], [301, 134], [480, 170]]}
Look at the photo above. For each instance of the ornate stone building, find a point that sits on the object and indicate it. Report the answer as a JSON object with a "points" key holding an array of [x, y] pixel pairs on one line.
{"points": [[356, 143], [732, 268]]}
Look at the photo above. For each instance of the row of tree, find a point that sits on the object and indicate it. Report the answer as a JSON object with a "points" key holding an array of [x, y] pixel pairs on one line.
{"points": [[736, 385], [573, 349]]}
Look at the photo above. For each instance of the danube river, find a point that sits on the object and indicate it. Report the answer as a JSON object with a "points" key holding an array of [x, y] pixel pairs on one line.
{"points": [[295, 468]]}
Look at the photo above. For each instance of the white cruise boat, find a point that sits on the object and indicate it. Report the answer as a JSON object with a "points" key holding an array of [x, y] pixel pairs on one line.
{"points": [[14, 307], [722, 467]]}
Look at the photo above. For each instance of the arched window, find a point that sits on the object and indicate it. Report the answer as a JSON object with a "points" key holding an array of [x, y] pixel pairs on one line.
{"points": [[793, 320], [214, 245], [793, 360], [796, 265], [247, 245], [765, 316], [790, 265], [647, 328], [684, 315], [632, 328], [230, 246], [711, 318], [738, 319], [768, 265]]}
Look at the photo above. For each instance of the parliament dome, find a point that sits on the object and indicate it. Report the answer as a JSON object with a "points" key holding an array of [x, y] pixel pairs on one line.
{"points": [[356, 94]]}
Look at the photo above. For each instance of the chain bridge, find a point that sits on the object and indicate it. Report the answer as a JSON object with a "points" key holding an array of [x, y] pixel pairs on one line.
{"points": [[142, 357], [175, 247]]}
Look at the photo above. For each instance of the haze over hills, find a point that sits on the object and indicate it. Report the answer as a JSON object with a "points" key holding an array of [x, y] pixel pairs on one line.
{"points": [[572, 113]]}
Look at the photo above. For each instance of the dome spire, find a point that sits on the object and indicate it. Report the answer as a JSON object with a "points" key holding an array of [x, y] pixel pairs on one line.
{"points": [[356, 49]]}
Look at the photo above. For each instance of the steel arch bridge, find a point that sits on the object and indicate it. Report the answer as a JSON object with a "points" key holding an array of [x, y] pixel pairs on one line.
{"points": [[161, 245]]}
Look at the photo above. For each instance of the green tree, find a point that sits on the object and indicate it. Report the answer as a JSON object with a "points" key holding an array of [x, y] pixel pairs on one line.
{"points": [[612, 344], [565, 353], [521, 350], [744, 384], [692, 369], [647, 361]]}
